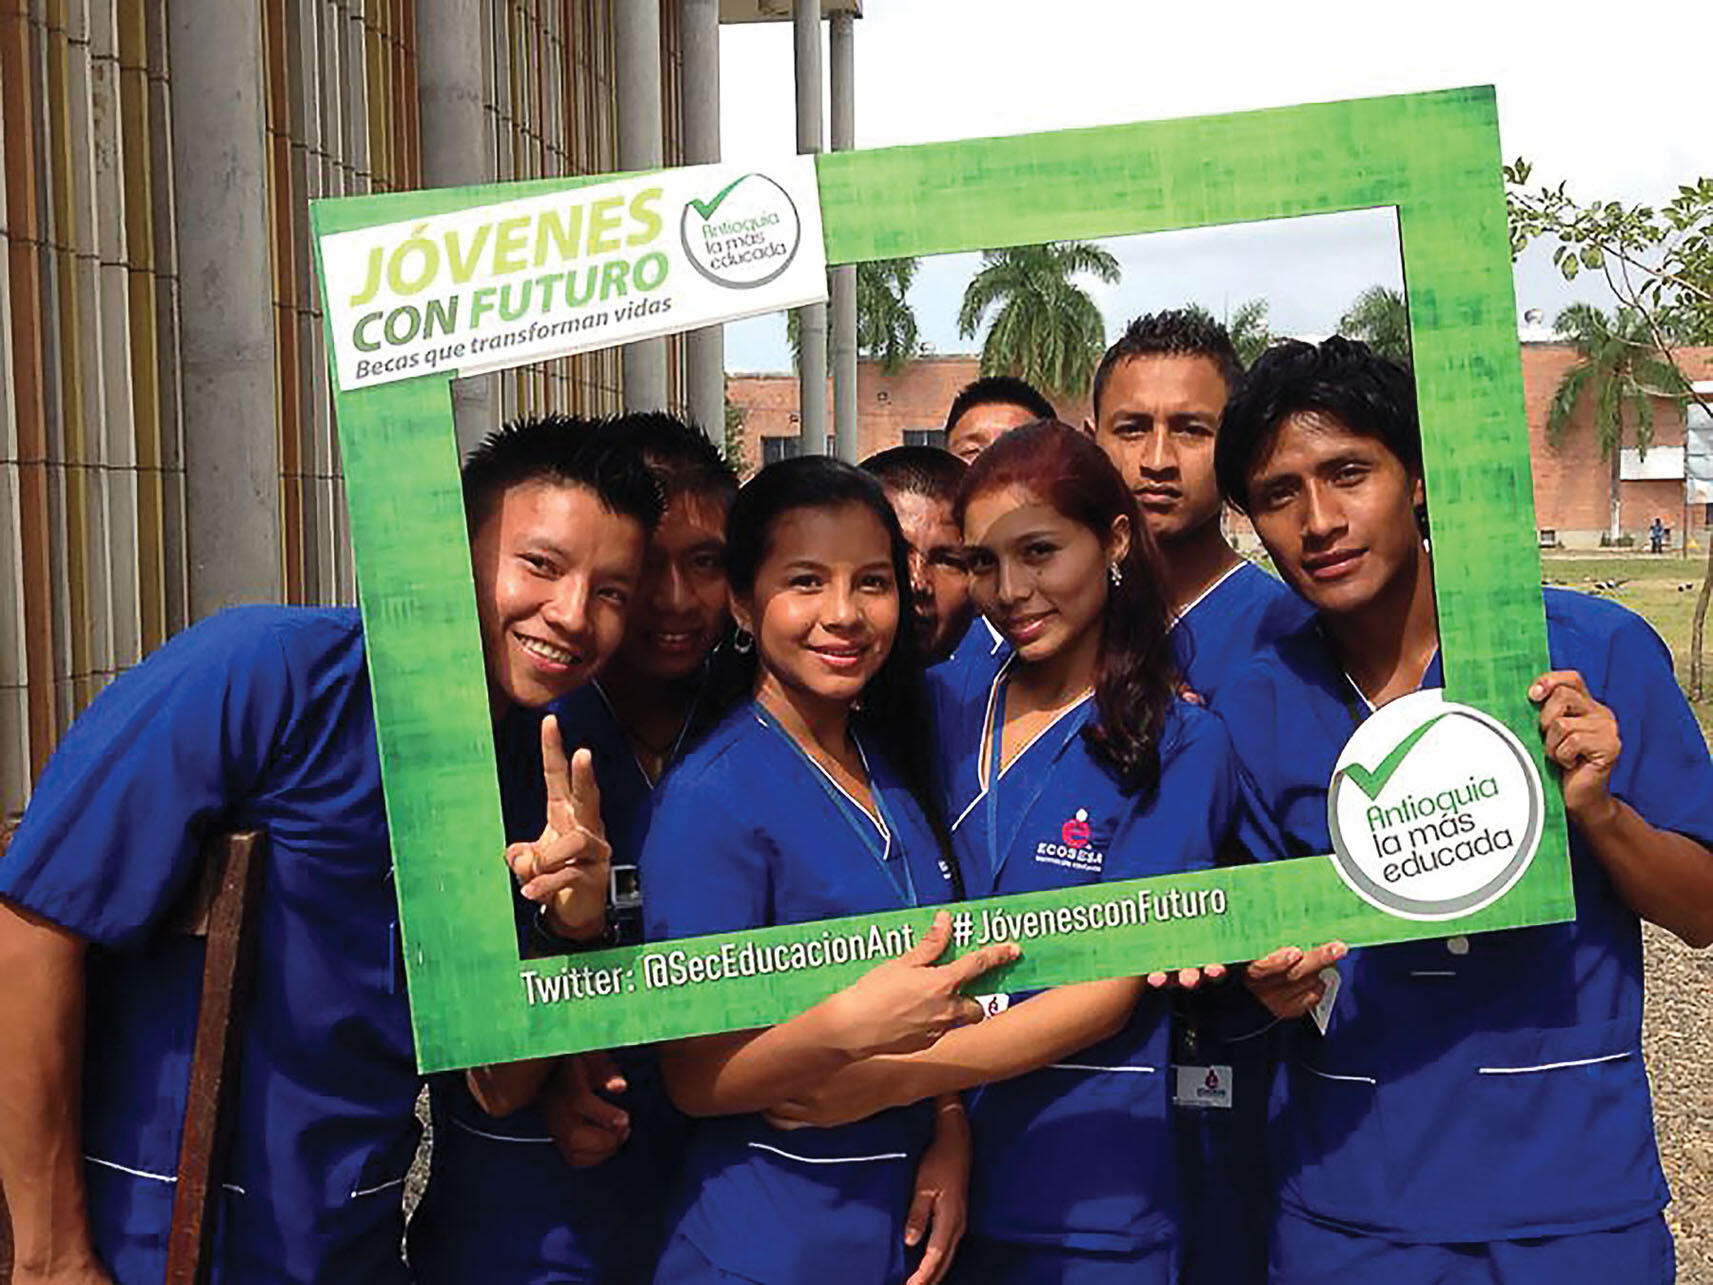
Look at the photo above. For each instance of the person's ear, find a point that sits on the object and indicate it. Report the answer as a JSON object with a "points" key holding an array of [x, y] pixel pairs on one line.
{"points": [[1418, 493], [742, 611], [1118, 543], [1088, 426]]}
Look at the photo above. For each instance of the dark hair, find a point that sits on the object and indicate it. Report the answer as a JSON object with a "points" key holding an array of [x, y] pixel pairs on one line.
{"points": [[1343, 379], [1176, 332], [894, 705], [679, 455], [1135, 682], [999, 390], [917, 470], [563, 449]]}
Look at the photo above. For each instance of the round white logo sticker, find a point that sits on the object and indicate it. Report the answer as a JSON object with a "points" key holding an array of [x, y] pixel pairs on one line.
{"points": [[1435, 809], [743, 235]]}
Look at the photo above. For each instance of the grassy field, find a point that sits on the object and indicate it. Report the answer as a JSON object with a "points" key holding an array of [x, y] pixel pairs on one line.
{"points": [[1662, 589]]}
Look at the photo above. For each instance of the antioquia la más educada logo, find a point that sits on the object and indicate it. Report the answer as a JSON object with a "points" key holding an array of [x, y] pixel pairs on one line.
{"points": [[744, 235], [1435, 809]]}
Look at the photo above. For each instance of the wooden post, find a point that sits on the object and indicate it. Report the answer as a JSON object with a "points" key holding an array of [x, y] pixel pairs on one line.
{"points": [[227, 918]]}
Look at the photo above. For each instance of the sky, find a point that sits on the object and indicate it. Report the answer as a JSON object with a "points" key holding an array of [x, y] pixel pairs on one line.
{"points": [[1609, 116]]}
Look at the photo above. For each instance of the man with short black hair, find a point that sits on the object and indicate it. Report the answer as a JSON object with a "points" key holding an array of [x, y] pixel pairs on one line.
{"points": [[1476, 1108], [1157, 397], [261, 718], [989, 407], [921, 483]]}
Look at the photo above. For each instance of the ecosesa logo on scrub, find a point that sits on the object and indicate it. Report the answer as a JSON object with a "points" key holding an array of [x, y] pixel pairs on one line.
{"points": [[1075, 846], [743, 235]]}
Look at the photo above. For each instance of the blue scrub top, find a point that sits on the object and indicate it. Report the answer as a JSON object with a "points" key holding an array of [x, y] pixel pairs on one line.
{"points": [[1485, 1088], [748, 832], [500, 1201], [1078, 1154], [259, 717], [1219, 633], [979, 651]]}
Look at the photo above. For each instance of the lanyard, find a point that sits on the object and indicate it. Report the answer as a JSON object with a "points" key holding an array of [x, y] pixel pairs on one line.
{"points": [[997, 852], [876, 831]]}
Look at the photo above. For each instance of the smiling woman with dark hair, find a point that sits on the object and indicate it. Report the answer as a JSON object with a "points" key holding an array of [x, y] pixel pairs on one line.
{"points": [[1069, 762], [799, 806]]}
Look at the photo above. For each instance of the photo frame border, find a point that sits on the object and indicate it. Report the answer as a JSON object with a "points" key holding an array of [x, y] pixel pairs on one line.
{"points": [[1433, 158]]}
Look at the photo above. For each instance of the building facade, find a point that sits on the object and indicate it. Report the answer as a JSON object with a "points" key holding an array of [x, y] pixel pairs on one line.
{"points": [[167, 443], [1571, 477]]}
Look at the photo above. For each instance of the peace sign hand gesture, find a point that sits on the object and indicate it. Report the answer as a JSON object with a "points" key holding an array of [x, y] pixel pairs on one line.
{"points": [[567, 868]]}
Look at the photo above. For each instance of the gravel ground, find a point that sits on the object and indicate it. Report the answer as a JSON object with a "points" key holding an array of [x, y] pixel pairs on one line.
{"points": [[1677, 1021]]}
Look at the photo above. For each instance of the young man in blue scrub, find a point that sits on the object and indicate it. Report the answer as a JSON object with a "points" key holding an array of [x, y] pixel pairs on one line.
{"points": [[261, 717], [1477, 1108], [1157, 398], [501, 1201], [922, 483], [987, 408]]}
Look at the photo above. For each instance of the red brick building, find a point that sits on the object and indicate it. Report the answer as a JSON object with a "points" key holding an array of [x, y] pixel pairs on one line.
{"points": [[1571, 480]]}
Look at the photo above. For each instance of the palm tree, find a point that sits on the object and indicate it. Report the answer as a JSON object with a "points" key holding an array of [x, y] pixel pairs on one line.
{"points": [[1381, 319], [1621, 367], [1248, 330], [1047, 329], [886, 324]]}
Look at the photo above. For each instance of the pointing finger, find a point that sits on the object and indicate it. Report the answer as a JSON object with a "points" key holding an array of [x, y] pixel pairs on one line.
{"points": [[977, 962], [932, 944]]}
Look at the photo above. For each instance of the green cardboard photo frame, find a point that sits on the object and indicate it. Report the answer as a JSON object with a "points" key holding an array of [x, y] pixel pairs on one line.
{"points": [[1433, 158]]}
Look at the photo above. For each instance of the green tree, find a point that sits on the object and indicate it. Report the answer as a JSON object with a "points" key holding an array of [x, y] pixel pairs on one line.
{"points": [[1380, 318], [1657, 262], [1620, 367], [886, 324], [732, 446], [1249, 331], [1045, 328]]}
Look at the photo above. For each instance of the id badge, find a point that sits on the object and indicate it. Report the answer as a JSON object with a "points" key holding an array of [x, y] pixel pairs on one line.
{"points": [[1322, 1012], [1202, 1087]]}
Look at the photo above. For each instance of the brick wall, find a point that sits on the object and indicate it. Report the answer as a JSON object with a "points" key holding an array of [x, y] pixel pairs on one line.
{"points": [[1570, 480]]}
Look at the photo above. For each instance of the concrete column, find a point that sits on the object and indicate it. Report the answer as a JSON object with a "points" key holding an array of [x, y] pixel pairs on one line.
{"points": [[636, 26], [840, 43], [812, 321], [456, 152], [226, 317], [705, 349]]}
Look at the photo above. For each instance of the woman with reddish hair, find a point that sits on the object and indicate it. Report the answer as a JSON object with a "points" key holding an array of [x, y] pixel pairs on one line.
{"points": [[1070, 761]]}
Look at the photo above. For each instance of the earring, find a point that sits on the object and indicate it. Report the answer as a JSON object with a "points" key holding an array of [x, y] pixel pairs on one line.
{"points": [[743, 642], [1115, 573]]}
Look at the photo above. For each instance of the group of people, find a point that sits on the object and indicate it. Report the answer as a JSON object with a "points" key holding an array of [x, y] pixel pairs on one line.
{"points": [[1030, 661]]}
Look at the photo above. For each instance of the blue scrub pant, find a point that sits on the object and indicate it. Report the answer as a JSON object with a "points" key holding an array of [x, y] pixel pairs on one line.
{"points": [[681, 1263], [1227, 1191], [981, 1261], [1310, 1253]]}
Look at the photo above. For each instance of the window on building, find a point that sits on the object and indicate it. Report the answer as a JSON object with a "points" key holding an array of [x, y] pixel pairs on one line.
{"points": [[935, 437], [774, 449]]}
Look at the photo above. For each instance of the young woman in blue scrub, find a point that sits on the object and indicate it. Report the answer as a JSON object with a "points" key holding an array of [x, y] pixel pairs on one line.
{"points": [[502, 1200], [800, 806], [1070, 762]]}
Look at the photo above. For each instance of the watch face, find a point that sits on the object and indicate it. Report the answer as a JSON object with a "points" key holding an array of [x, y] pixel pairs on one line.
{"points": [[626, 888]]}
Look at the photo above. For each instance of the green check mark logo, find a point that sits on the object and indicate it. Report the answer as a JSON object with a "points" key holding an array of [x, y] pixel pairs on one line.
{"points": [[1372, 781], [706, 208]]}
